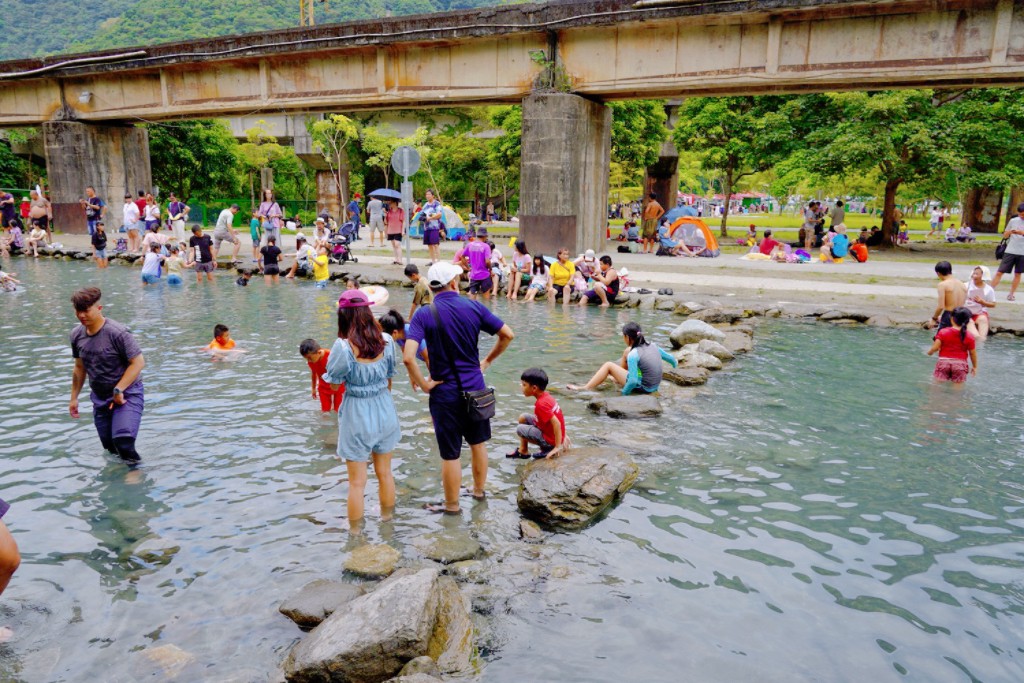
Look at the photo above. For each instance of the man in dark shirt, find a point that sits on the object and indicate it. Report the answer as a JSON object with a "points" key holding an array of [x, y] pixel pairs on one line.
{"points": [[354, 213], [200, 254], [95, 208], [454, 353], [7, 211], [106, 352]]}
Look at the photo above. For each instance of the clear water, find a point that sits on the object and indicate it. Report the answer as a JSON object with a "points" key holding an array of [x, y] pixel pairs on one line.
{"points": [[819, 512]]}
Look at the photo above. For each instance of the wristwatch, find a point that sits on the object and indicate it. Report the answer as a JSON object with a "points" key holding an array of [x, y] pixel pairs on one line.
{"points": [[118, 392]]}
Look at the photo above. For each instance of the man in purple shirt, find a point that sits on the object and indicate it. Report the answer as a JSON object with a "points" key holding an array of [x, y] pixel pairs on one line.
{"points": [[454, 353], [106, 352], [479, 256]]}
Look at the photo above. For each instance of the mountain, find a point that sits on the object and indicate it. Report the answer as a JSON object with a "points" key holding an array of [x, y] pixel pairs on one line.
{"points": [[34, 28]]}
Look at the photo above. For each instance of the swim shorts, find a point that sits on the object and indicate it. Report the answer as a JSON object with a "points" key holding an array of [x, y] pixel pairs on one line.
{"points": [[480, 286], [529, 430], [271, 270], [207, 267], [650, 229], [1011, 262], [452, 425], [223, 236], [951, 370]]}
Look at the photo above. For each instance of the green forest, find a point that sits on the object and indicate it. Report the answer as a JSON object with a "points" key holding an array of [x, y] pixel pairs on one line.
{"points": [[34, 28]]}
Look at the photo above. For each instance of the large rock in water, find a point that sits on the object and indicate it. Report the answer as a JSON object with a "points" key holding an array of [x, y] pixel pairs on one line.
{"points": [[567, 492], [628, 407], [370, 639], [686, 377], [693, 331], [318, 600]]}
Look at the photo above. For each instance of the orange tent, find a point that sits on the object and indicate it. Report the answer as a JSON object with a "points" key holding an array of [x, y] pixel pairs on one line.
{"points": [[689, 223]]}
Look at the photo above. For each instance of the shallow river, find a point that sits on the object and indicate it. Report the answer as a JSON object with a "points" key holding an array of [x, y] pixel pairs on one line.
{"points": [[819, 511]]}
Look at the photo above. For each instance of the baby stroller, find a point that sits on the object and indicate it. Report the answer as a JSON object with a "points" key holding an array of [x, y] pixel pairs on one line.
{"points": [[339, 246]]}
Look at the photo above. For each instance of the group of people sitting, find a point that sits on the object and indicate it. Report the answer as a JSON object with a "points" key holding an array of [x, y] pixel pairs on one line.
{"points": [[684, 240], [835, 246]]}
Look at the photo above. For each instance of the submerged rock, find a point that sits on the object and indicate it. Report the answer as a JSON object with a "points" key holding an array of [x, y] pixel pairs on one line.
{"points": [[373, 561], [415, 678], [411, 614], [567, 492], [715, 349], [449, 546], [529, 531], [692, 331], [687, 377], [171, 658], [738, 341], [420, 666], [317, 600], [628, 407]]}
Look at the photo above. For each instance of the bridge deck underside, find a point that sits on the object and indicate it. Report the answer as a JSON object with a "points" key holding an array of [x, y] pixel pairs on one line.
{"points": [[867, 46]]}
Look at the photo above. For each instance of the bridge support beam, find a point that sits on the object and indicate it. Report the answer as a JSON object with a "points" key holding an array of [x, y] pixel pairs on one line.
{"points": [[563, 189], [112, 159], [662, 178]]}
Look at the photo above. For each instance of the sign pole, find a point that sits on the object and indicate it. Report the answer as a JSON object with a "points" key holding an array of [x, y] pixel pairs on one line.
{"points": [[406, 161]]}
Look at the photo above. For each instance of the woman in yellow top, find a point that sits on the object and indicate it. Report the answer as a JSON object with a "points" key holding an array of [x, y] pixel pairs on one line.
{"points": [[562, 272]]}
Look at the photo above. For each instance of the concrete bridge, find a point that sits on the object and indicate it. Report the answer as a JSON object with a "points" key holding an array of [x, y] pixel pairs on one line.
{"points": [[597, 50]]}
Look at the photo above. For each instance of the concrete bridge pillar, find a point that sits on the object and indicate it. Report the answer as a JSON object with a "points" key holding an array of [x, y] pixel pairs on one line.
{"points": [[113, 159], [563, 189], [662, 178]]}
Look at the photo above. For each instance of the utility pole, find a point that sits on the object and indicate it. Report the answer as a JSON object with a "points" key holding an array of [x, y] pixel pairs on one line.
{"points": [[306, 17]]}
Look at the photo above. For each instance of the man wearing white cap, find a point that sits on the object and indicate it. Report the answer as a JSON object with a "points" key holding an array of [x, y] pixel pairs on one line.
{"points": [[451, 327]]}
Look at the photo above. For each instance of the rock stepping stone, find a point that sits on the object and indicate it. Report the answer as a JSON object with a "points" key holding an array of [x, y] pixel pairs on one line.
{"points": [[318, 600], [447, 546], [568, 492], [373, 561], [693, 331], [687, 377], [628, 407]]}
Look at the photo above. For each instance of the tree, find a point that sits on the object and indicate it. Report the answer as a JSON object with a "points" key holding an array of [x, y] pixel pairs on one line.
{"points": [[194, 155], [260, 150], [331, 137], [380, 142], [638, 129], [893, 131], [735, 136], [504, 158]]}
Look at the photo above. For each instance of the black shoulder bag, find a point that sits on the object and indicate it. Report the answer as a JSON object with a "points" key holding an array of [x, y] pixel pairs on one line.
{"points": [[1001, 249], [480, 405]]}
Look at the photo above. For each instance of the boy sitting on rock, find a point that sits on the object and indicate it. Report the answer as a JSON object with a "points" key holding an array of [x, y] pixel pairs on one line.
{"points": [[546, 426]]}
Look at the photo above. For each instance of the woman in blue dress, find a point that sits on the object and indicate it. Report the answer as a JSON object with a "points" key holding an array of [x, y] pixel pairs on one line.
{"points": [[363, 358]]}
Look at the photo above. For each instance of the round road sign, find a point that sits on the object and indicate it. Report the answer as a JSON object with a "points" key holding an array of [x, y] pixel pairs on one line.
{"points": [[405, 161]]}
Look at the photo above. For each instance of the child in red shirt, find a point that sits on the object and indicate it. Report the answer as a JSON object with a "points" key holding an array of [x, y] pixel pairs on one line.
{"points": [[316, 359], [546, 427], [954, 345]]}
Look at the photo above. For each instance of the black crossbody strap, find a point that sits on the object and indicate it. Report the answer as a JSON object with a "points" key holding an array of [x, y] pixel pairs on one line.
{"points": [[446, 343]]}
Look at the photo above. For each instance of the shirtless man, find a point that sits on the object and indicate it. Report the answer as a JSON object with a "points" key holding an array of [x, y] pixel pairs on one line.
{"points": [[952, 294]]}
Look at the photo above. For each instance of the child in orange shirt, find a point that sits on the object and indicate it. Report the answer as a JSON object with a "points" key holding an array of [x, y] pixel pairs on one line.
{"points": [[316, 359], [222, 340]]}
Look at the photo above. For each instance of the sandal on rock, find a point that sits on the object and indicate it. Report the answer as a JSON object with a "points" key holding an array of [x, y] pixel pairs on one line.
{"points": [[1011, 297], [469, 494], [516, 455]]}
